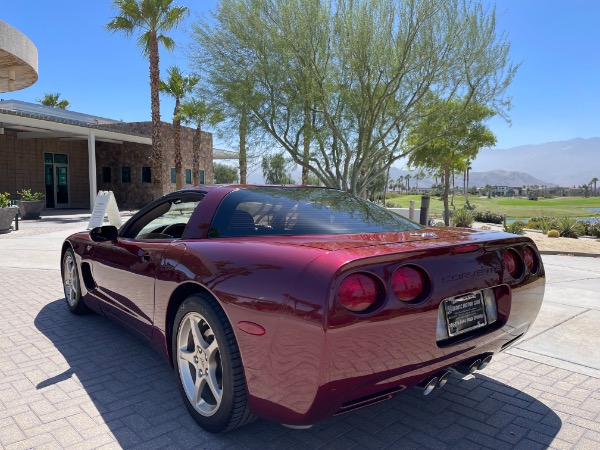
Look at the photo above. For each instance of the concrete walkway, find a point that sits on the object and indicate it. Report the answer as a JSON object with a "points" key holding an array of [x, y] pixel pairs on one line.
{"points": [[83, 382]]}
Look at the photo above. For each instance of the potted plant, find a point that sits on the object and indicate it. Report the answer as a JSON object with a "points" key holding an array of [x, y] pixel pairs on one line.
{"points": [[31, 204], [7, 213]]}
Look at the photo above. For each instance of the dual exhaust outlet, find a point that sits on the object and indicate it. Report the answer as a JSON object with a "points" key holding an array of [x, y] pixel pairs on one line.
{"points": [[441, 378]]}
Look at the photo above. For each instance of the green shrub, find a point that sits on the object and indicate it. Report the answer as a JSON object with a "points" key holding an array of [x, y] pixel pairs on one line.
{"points": [[570, 228], [553, 233], [544, 223], [4, 201], [487, 217], [462, 218], [594, 229], [27, 195], [515, 227]]}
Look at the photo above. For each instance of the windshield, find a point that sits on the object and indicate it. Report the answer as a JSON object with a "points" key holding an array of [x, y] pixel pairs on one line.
{"points": [[274, 211]]}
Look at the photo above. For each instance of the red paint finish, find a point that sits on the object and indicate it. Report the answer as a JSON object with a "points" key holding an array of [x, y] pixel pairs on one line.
{"points": [[306, 354]]}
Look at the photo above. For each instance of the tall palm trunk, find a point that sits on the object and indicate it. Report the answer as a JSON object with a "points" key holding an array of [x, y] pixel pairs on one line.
{"points": [[156, 156], [177, 146], [196, 155]]}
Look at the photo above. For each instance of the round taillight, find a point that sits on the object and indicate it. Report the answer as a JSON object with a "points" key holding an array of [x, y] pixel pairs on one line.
{"points": [[531, 260], [409, 283], [512, 263], [357, 292]]}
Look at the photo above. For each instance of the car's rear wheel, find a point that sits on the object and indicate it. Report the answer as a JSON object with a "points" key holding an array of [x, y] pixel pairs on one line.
{"points": [[207, 359], [71, 284]]}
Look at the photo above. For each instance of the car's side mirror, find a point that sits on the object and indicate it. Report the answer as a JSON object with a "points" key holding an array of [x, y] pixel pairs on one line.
{"points": [[104, 233]]}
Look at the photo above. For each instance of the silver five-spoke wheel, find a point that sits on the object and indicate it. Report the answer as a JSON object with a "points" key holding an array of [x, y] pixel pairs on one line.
{"points": [[71, 283], [209, 366], [70, 280], [199, 362]]}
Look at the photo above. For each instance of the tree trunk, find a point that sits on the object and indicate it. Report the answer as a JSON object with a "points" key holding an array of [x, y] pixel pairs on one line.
{"points": [[196, 155], [156, 156], [446, 191], [177, 147], [242, 157], [306, 154], [453, 188], [467, 189]]}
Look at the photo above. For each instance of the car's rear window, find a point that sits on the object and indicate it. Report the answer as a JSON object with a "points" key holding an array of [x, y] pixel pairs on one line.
{"points": [[301, 211]]}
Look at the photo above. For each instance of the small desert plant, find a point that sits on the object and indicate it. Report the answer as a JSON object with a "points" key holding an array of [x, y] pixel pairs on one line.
{"points": [[4, 201], [570, 228], [487, 217], [594, 229], [543, 223], [553, 233], [27, 195], [462, 218], [515, 227]]}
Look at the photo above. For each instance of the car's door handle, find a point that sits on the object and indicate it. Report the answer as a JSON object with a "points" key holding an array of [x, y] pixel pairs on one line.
{"points": [[145, 257]]}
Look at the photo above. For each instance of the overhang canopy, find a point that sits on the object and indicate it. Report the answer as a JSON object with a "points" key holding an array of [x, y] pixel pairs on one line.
{"points": [[18, 59]]}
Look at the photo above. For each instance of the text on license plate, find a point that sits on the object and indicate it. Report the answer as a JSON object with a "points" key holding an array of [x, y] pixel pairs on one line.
{"points": [[465, 313]]}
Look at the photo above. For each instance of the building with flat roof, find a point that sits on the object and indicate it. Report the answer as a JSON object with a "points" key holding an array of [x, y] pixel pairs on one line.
{"points": [[69, 156]]}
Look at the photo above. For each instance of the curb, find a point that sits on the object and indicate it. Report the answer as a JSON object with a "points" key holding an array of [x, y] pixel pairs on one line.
{"points": [[563, 253]]}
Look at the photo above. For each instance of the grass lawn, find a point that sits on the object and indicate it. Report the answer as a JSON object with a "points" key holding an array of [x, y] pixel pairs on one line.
{"points": [[513, 207]]}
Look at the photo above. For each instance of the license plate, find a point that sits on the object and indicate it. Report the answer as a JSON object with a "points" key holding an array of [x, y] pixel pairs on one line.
{"points": [[465, 313]]}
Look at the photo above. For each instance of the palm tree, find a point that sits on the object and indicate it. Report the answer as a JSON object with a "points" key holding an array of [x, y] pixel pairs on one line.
{"points": [[53, 100], [195, 111], [594, 181], [178, 86], [151, 18]]}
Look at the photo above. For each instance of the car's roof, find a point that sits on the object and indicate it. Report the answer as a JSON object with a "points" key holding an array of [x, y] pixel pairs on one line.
{"points": [[233, 187]]}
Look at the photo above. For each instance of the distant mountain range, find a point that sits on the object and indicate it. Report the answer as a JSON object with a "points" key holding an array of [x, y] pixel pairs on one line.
{"points": [[478, 179], [564, 163]]}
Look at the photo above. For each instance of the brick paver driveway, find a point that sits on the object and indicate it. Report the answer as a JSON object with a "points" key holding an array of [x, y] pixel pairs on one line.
{"points": [[83, 382]]}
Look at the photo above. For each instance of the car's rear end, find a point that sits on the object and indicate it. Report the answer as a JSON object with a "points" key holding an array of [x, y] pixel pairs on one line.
{"points": [[368, 304], [406, 308]]}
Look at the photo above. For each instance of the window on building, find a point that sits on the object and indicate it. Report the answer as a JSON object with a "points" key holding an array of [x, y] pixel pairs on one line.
{"points": [[188, 176], [61, 159], [106, 176], [126, 174], [146, 174], [202, 177], [173, 175]]}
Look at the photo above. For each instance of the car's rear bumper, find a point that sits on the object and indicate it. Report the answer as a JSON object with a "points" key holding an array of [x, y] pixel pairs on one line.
{"points": [[340, 370]]}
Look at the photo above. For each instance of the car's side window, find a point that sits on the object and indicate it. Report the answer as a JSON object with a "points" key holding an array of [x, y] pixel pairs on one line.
{"points": [[167, 220]]}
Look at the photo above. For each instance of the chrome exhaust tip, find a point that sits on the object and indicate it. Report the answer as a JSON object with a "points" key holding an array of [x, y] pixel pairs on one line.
{"points": [[484, 362], [428, 385], [443, 379], [297, 427], [468, 368]]}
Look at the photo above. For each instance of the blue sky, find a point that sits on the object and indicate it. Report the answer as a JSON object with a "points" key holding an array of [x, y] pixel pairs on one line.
{"points": [[556, 94]]}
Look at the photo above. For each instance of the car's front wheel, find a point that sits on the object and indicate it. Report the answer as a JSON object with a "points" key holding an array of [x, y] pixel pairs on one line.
{"points": [[207, 359], [71, 285]]}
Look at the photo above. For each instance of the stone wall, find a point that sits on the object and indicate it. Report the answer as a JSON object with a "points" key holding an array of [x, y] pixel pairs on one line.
{"points": [[136, 193]]}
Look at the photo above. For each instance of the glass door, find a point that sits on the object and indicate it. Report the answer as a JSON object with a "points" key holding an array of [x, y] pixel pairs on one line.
{"points": [[49, 180], [61, 184]]}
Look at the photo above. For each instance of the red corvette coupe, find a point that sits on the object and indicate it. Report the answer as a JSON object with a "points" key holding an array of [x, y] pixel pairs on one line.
{"points": [[299, 303]]}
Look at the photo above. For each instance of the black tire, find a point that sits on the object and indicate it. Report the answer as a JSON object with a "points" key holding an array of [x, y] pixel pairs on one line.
{"points": [[220, 365], [72, 283]]}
